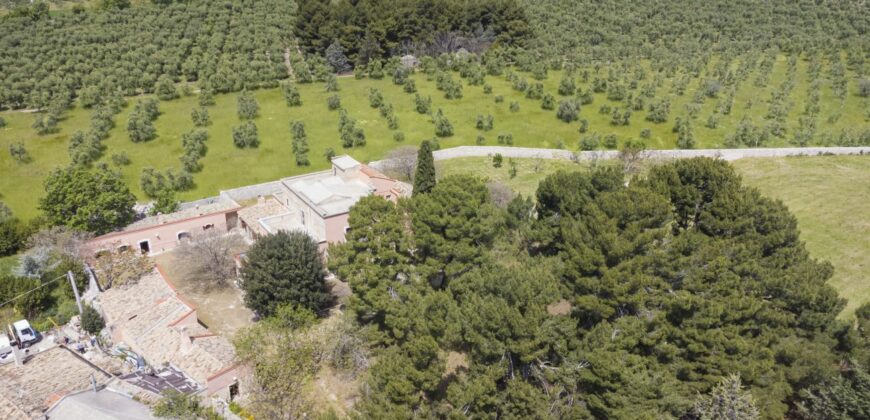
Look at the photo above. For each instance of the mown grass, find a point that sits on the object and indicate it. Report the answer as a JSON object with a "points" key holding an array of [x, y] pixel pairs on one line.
{"points": [[225, 166], [529, 173], [829, 196]]}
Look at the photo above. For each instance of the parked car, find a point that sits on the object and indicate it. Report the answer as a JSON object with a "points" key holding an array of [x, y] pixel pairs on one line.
{"points": [[25, 333]]}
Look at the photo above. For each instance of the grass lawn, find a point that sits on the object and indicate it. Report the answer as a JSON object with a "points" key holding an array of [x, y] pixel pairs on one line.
{"points": [[8, 263], [829, 195], [529, 171], [225, 166]]}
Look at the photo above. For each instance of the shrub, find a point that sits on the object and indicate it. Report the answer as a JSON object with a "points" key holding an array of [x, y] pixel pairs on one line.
{"points": [[515, 107], [200, 117], [376, 99], [409, 86], [568, 111], [291, 95], [422, 105], [497, 160], [443, 127], [333, 102], [120, 159], [246, 135], [399, 136], [92, 321], [247, 106], [589, 142]]}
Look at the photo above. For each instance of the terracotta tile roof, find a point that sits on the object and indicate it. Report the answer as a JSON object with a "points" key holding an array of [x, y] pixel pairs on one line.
{"points": [[147, 317], [27, 391]]}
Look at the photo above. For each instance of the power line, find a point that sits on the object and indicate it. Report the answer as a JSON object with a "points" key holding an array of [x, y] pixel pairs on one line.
{"points": [[32, 290]]}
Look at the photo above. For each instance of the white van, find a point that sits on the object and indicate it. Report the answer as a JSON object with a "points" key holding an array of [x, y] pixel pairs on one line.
{"points": [[25, 333]]}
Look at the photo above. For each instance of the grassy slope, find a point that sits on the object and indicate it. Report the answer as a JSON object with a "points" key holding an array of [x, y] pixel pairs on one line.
{"points": [[829, 195], [227, 167]]}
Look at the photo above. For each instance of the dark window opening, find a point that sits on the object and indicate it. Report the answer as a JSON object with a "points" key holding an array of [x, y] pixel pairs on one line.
{"points": [[234, 390], [145, 247]]}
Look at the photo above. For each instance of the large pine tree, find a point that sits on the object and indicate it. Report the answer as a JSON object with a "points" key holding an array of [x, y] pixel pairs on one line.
{"points": [[284, 268]]}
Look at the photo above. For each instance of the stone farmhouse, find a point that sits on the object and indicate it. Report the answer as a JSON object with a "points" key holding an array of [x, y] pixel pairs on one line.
{"points": [[316, 203]]}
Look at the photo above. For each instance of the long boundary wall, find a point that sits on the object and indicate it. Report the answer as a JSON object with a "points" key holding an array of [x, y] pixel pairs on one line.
{"points": [[726, 154]]}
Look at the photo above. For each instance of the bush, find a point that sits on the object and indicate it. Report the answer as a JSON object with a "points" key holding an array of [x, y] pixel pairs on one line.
{"points": [[247, 106], [497, 160], [92, 321], [568, 111], [120, 159], [333, 102], [376, 99], [410, 86], [443, 127], [291, 95], [610, 141], [200, 117], [589, 142], [399, 136], [515, 107], [246, 135]]}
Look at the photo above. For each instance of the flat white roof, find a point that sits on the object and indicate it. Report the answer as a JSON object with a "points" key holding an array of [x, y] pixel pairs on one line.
{"points": [[345, 162], [331, 195], [20, 325]]}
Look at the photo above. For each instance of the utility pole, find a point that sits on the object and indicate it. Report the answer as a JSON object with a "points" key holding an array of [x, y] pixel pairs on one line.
{"points": [[72, 281]]}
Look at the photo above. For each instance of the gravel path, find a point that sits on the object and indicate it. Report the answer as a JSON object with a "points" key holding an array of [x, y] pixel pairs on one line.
{"points": [[726, 154]]}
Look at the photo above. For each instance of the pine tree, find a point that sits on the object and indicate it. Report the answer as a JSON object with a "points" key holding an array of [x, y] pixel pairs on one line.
{"points": [[336, 58], [424, 177], [284, 268], [728, 400]]}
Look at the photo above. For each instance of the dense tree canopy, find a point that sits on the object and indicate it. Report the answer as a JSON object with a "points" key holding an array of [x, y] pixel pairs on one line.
{"points": [[373, 29], [95, 201], [227, 46], [610, 301], [284, 269]]}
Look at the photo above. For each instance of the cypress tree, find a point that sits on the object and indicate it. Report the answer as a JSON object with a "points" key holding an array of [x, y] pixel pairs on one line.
{"points": [[424, 178]]}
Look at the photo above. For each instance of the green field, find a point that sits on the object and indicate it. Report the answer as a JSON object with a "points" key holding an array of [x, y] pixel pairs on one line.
{"points": [[829, 195], [226, 166]]}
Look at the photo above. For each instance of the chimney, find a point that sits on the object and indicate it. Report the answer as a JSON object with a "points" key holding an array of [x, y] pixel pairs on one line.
{"points": [[186, 340]]}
